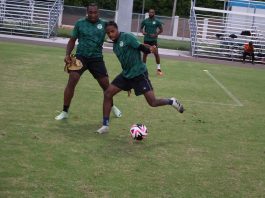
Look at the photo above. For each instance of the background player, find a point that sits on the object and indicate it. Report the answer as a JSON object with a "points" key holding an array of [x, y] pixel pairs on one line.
{"points": [[151, 28]]}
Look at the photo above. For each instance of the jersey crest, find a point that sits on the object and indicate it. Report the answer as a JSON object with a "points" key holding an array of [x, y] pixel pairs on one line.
{"points": [[99, 26], [121, 44]]}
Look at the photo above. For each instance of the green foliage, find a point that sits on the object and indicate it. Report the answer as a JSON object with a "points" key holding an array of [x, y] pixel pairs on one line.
{"points": [[162, 7]]}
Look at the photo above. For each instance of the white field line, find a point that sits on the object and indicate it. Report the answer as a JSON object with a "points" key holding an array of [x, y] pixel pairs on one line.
{"points": [[224, 88], [209, 103]]}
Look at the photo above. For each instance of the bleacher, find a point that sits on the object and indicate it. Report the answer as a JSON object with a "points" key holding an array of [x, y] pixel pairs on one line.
{"points": [[37, 18], [222, 34]]}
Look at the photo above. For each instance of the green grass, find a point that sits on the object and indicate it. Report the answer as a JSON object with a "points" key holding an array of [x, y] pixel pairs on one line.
{"points": [[214, 149], [163, 43]]}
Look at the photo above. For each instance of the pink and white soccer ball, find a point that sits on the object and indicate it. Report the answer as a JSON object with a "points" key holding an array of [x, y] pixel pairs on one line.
{"points": [[138, 131]]}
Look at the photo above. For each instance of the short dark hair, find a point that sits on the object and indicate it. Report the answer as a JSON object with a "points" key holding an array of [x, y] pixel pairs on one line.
{"points": [[92, 4], [112, 23], [250, 43]]}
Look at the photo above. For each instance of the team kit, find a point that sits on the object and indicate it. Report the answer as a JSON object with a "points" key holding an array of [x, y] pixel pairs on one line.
{"points": [[90, 33]]}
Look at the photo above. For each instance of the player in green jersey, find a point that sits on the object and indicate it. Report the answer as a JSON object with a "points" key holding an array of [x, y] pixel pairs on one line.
{"points": [[151, 28], [90, 33], [134, 73]]}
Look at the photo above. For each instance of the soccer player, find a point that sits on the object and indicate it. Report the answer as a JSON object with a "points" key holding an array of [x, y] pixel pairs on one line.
{"points": [[134, 73], [90, 32], [248, 51], [151, 28]]}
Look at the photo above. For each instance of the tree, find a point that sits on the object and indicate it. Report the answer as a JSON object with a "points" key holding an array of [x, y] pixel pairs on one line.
{"points": [[162, 7]]}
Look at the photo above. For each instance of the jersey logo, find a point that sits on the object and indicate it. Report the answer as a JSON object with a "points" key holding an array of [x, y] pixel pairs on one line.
{"points": [[121, 44], [154, 22], [99, 26]]}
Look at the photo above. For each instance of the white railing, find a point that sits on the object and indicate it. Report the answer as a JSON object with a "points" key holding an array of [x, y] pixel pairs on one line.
{"points": [[221, 33], [29, 17]]}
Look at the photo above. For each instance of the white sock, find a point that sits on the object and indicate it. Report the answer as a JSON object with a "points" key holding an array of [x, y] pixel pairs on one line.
{"points": [[158, 66]]}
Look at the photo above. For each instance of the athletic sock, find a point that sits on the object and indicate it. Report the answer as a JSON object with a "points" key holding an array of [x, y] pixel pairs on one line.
{"points": [[105, 121], [158, 67], [170, 102], [65, 108]]}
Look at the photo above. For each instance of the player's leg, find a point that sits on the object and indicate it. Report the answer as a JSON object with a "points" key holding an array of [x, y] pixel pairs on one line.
{"points": [[107, 105], [143, 86], [99, 72], [244, 56], [118, 84], [157, 57], [154, 102], [68, 94], [253, 57], [104, 84]]}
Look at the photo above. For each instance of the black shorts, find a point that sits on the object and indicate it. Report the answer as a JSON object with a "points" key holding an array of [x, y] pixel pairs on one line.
{"points": [[151, 43], [141, 84], [95, 66]]}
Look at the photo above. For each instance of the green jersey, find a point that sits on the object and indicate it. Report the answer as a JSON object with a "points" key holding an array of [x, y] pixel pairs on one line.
{"points": [[90, 37], [150, 26], [126, 49]]}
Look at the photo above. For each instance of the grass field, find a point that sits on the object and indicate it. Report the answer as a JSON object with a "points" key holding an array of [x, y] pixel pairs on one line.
{"points": [[215, 149]]}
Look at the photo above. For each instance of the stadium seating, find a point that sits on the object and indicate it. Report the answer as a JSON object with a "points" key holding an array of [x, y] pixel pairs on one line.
{"points": [[222, 33], [38, 18]]}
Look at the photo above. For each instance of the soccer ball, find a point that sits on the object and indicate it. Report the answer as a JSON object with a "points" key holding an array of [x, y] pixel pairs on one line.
{"points": [[138, 131]]}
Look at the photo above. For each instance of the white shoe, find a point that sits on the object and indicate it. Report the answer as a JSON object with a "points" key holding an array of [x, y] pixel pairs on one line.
{"points": [[116, 111], [61, 116], [177, 105], [103, 129]]}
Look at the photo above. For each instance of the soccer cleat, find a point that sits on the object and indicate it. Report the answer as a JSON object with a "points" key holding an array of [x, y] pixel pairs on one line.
{"points": [[116, 111], [61, 116], [103, 129], [159, 73], [177, 105]]}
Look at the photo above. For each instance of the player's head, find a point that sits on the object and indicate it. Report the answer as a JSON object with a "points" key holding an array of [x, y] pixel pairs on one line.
{"points": [[151, 13], [112, 30], [92, 12], [250, 43]]}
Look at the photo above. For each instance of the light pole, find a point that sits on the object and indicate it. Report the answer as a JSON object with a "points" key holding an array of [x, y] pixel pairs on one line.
{"points": [[143, 6], [173, 15]]}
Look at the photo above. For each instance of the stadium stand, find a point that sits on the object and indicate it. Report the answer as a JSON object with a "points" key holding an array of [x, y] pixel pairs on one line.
{"points": [[222, 33], [37, 18]]}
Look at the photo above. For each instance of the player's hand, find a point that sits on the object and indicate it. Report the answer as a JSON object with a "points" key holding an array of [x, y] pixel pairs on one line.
{"points": [[129, 92], [67, 59], [144, 33], [153, 49], [146, 45]]}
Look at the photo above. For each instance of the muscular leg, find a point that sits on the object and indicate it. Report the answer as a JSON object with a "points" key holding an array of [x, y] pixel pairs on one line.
{"points": [[70, 87], [253, 58], [104, 83], [244, 56], [157, 57], [68, 94], [108, 98], [154, 102]]}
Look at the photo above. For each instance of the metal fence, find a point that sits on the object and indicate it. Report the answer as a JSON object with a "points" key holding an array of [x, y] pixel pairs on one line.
{"points": [[222, 33], [36, 18], [71, 14]]}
